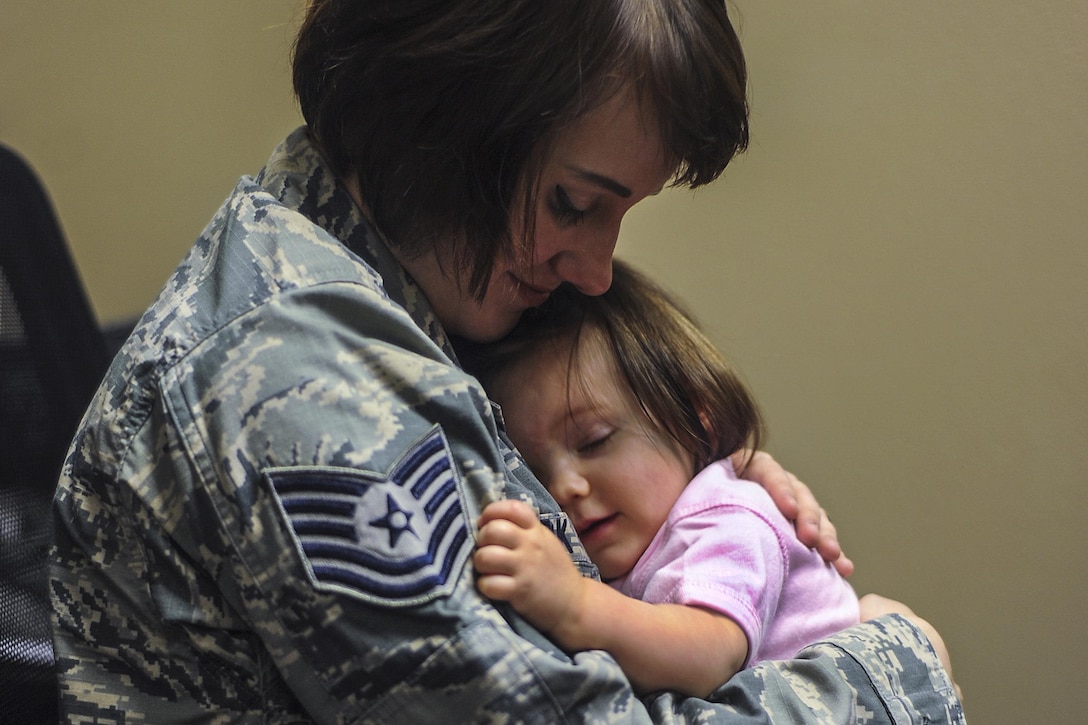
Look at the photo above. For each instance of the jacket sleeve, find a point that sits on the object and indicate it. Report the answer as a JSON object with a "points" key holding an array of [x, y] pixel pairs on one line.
{"points": [[881, 671]]}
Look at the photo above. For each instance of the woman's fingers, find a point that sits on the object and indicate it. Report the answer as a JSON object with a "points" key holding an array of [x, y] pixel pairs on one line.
{"points": [[796, 502]]}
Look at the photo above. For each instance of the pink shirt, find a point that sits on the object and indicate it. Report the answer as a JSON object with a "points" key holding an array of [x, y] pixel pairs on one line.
{"points": [[727, 548]]}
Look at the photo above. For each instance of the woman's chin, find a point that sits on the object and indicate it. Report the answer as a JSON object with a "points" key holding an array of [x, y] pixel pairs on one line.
{"points": [[485, 327]]}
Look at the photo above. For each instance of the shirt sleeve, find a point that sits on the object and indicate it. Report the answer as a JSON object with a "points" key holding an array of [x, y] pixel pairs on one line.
{"points": [[718, 551]]}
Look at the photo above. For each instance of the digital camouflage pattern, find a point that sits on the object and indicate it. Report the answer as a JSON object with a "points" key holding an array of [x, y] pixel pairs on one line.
{"points": [[267, 514]]}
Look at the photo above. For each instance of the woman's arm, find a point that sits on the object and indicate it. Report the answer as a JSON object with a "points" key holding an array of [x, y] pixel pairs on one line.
{"points": [[659, 646], [874, 606]]}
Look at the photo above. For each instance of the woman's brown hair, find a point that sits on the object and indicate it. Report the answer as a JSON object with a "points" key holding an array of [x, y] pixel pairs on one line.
{"points": [[446, 110], [682, 382]]}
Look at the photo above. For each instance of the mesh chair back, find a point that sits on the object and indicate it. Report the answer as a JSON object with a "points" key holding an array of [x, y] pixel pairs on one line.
{"points": [[52, 357]]}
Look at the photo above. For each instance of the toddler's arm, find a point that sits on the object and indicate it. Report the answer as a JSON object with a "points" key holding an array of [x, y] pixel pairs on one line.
{"points": [[659, 646]]}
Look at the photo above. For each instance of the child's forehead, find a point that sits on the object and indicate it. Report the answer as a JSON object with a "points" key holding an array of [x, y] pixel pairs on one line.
{"points": [[594, 374], [576, 353], [580, 361], [578, 365], [593, 349]]}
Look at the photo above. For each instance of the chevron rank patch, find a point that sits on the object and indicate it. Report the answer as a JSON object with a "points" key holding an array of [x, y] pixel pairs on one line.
{"points": [[398, 539]]}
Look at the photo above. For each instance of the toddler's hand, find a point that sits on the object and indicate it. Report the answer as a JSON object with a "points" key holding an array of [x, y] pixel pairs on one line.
{"points": [[519, 560]]}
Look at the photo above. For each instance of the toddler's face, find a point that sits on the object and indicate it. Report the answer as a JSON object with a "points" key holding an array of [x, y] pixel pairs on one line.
{"points": [[613, 472]]}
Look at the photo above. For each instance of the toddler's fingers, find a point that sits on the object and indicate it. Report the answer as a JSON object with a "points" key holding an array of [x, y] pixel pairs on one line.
{"points": [[495, 586], [507, 509]]}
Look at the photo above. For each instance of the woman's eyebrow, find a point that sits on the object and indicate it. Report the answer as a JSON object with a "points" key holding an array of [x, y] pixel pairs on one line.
{"points": [[604, 182]]}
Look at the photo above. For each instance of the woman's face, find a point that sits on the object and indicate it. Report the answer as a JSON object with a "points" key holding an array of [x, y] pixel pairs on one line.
{"points": [[583, 434], [599, 168]]}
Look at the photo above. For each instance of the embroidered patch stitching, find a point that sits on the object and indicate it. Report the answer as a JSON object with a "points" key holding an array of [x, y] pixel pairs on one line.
{"points": [[395, 539]]}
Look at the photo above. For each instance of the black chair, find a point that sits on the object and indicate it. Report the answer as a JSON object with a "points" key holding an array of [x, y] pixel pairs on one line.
{"points": [[52, 357]]}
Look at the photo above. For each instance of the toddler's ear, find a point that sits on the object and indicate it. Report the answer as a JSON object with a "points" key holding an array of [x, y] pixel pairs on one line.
{"points": [[708, 435], [704, 419]]}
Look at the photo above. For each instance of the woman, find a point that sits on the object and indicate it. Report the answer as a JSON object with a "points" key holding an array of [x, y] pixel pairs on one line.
{"points": [[267, 510]]}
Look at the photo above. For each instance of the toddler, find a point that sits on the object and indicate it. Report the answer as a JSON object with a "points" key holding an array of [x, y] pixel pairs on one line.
{"points": [[638, 427]]}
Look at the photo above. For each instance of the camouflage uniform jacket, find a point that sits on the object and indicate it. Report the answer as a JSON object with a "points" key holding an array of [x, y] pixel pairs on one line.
{"points": [[267, 513]]}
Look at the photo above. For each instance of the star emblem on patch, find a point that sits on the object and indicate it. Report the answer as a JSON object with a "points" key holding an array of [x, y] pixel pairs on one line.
{"points": [[396, 520]]}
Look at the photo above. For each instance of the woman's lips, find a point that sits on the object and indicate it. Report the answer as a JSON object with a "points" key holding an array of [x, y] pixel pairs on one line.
{"points": [[531, 295]]}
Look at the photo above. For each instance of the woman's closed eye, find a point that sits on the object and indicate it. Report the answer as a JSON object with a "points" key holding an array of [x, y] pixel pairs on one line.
{"points": [[563, 208]]}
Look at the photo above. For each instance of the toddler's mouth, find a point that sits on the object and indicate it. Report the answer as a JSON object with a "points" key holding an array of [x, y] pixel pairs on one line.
{"points": [[589, 528]]}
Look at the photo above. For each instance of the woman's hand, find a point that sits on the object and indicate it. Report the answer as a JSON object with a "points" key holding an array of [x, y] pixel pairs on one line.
{"points": [[796, 502]]}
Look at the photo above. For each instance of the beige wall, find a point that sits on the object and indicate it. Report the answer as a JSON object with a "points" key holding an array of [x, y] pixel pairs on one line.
{"points": [[899, 265], [141, 116]]}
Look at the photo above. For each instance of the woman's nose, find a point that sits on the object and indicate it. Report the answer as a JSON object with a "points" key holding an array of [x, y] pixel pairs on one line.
{"points": [[589, 267]]}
